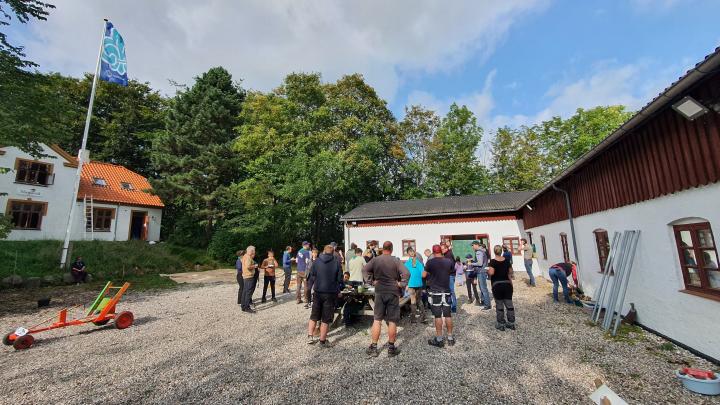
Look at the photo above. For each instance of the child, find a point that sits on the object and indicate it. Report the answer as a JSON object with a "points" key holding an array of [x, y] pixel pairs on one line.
{"points": [[268, 266], [459, 271]]}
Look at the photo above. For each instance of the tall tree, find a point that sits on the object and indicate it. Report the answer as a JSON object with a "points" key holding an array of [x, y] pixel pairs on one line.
{"points": [[453, 166], [194, 157], [417, 130], [501, 160]]}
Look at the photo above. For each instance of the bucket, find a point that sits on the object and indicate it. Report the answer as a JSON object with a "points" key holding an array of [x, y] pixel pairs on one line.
{"points": [[710, 386]]}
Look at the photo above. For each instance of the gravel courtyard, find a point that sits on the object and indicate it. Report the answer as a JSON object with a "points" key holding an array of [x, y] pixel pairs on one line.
{"points": [[193, 345]]}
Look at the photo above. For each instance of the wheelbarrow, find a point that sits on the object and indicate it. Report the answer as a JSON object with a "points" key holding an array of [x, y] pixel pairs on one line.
{"points": [[100, 313]]}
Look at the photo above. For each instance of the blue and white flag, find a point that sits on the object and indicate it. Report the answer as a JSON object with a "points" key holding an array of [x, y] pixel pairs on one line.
{"points": [[113, 65]]}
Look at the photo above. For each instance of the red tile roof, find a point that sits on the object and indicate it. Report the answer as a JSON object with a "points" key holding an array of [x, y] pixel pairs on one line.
{"points": [[113, 191]]}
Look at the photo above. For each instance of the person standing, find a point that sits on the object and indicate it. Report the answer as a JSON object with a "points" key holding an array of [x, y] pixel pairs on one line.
{"points": [[507, 254], [471, 280], [248, 271], [302, 260], [459, 272], [355, 266], [327, 278], [480, 261], [239, 275], [528, 260], [350, 254], [309, 283], [415, 286], [559, 274], [389, 277], [438, 273], [287, 260], [500, 272], [268, 267]]}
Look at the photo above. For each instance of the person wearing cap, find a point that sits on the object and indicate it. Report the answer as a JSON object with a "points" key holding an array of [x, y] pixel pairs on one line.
{"points": [[480, 261], [390, 277], [302, 259], [287, 260], [438, 272]]}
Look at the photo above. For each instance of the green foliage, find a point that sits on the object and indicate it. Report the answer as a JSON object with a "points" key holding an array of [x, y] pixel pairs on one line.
{"points": [[42, 257], [6, 226], [194, 157], [225, 242], [417, 129]]}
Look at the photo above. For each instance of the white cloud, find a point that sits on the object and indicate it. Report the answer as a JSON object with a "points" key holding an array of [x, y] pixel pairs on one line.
{"points": [[262, 41]]}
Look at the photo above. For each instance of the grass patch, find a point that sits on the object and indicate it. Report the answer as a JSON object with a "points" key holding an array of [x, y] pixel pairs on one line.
{"points": [[627, 333], [108, 260], [667, 346]]}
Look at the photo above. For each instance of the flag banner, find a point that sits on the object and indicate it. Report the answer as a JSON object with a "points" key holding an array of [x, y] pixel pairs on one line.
{"points": [[113, 65]]}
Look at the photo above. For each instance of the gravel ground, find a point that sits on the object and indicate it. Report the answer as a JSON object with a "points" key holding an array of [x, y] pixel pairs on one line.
{"points": [[193, 344]]}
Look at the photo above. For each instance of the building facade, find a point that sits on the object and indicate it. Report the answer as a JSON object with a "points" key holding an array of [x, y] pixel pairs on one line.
{"points": [[112, 203]]}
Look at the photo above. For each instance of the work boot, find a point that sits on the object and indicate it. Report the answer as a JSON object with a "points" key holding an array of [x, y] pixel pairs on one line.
{"points": [[372, 351], [510, 326], [262, 301], [451, 341], [393, 350], [500, 326], [325, 344], [434, 342]]}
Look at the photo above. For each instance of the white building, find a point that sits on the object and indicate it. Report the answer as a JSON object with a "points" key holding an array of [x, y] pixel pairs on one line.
{"points": [[112, 203], [658, 173]]}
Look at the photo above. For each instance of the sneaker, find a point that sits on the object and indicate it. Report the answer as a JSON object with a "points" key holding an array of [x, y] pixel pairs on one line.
{"points": [[325, 344], [434, 342], [372, 351], [486, 308], [393, 351], [451, 342], [500, 327], [510, 326], [273, 300], [249, 310], [311, 340]]}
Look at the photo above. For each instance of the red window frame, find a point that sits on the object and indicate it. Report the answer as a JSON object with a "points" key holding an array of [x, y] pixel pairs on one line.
{"points": [[513, 243], [26, 215], [602, 242], [544, 247], [102, 218], [701, 263], [408, 243], [565, 250]]}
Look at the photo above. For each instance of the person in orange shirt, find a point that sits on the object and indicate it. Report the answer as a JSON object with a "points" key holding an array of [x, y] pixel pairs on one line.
{"points": [[268, 267], [249, 267]]}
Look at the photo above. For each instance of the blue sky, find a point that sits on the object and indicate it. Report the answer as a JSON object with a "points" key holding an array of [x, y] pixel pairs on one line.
{"points": [[514, 62]]}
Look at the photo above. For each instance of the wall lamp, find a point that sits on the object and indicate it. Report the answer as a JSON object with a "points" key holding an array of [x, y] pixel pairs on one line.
{"points": [[528, 207], [689, 108]]}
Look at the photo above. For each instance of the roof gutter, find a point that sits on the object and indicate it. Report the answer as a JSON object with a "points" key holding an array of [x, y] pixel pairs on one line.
{"points": [[702, 69], [446, 214]]}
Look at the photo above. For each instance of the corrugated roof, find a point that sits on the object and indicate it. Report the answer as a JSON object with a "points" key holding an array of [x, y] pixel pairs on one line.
{"points": [[113, 191], [467, 204]]}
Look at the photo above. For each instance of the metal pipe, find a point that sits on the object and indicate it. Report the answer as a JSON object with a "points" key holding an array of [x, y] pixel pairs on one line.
{"points": [[602, 291], [572, 225], [626, 280]]}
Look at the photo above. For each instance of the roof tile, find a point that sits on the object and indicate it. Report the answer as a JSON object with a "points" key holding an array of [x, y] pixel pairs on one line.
{"points": [[113, 192]]}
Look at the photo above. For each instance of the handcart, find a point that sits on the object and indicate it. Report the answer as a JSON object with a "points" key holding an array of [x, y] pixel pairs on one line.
{"points": [[100, 312]]}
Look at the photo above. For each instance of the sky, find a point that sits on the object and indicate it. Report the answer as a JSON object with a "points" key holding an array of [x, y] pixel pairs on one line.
{"points": [[512, 62]]}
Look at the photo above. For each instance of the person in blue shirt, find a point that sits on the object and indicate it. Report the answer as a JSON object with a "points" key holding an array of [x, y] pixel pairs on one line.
{"points": [[287, 268], [507, 254], [415, 286], [479, 263], [238, 267], [303, 260]]}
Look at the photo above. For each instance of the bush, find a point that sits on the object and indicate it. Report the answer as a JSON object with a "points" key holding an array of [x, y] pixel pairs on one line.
{"points": [[225, 242], [5, 226]]}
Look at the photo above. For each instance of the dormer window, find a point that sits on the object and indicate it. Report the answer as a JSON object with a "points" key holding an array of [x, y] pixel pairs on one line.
{"points": [[127, 186], [99, 181]]}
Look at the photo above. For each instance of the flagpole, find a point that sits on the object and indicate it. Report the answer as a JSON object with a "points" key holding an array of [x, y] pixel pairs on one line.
{"points": [[81, 154]]}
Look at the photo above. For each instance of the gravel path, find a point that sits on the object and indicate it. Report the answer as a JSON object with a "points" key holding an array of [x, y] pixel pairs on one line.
{"points": [[193, 344]]}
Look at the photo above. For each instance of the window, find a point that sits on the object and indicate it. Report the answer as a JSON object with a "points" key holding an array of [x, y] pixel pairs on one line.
{"points": [[564, 244], [484, 239], [102, 219], [99, 181], [544, 248], [29, 172], [603, 247], [446, 239], [698, 257], [126, 186], [408, 243], [26, 214], [371, 242], [513, 243]]}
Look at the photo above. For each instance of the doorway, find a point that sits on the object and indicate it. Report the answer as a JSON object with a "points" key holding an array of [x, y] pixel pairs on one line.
{"points": [[462, 244], [138, 225]]}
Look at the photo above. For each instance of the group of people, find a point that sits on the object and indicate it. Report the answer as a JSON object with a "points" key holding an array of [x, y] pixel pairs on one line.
{"points": [[428, 282]]}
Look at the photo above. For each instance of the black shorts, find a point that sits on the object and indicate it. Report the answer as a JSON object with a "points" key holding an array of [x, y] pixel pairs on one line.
{"points": [[323, 307], [438, 306], [387, 307], [502, 291]]}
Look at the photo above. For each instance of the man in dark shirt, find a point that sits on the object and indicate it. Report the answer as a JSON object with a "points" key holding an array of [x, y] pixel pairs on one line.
{"points": [[326, 277], [438, 272], [79, 271], [389, 276]]}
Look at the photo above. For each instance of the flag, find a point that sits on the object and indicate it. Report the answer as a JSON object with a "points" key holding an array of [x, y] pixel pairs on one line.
{"points": [[113, 65]]}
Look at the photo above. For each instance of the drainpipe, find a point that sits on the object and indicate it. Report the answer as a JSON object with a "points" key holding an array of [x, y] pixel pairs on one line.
{"points": [[572, 225]]}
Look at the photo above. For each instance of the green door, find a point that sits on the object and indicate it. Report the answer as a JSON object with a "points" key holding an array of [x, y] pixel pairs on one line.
{"points": [[462, 248]]}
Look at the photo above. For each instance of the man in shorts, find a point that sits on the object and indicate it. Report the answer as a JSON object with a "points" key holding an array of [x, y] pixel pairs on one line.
{"points": [[390, 277], [327, 277], [437, 272]]}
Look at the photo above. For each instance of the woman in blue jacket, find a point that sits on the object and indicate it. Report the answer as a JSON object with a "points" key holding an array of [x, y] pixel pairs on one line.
{"points": [[415, 285]]}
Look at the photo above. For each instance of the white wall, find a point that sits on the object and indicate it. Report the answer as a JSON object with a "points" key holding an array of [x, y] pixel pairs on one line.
{"points": [[58, 196], [656, 278], [427, 235]]}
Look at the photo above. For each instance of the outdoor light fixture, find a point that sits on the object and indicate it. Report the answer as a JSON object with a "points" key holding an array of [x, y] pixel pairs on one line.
{"points": [[528, 207], [689, 108]]}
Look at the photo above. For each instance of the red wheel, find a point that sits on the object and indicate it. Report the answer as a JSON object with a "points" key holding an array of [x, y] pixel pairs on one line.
{"points": [[23, 342], [124, 319], [6, 339]]}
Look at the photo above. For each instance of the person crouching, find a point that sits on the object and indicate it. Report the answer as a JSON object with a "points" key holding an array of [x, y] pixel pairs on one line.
{"points": [[326, 277], [438, 272]]}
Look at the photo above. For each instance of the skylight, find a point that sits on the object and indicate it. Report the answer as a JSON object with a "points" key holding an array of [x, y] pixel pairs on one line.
{"points": [[126, 186], [99, 181]]}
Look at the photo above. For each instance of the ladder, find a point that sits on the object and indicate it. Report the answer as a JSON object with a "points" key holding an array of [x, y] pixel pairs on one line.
{"points": [[89, 219]]}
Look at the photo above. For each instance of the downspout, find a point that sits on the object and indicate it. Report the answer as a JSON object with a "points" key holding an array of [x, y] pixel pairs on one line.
{"points": [[117, 216], [572, 224]]}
